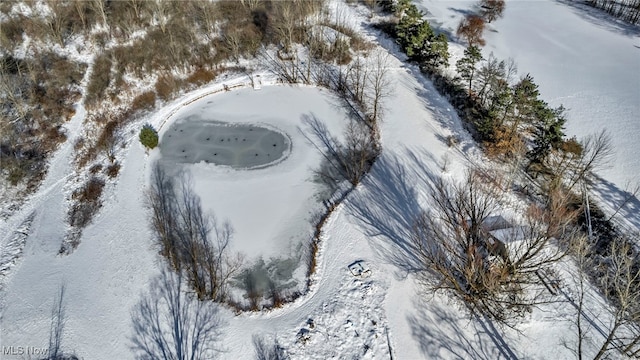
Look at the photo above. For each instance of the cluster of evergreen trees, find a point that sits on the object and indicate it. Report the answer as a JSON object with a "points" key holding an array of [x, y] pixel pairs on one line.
{"points": [[417, 38], [507, 116], [510, 115]]}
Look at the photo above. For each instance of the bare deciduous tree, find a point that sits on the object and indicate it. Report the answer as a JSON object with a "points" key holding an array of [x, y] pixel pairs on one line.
{"points": [[492, 9], [618, 275], [492, 276], [471, 29], [349, 160], [192, 241], [621, 282], [379, 84], [576, 165], [286, 24]]}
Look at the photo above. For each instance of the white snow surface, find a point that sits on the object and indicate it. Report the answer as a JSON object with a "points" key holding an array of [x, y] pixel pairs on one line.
{"points": [[374, 317]]}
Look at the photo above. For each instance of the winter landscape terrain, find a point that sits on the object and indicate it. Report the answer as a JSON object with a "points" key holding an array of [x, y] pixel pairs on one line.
{"points": [[582, 59], [366, 298]]}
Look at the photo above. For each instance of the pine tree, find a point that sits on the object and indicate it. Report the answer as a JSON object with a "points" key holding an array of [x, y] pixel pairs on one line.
{"points": [[438, 52], [466, 66], [149, 136], [417, 38], [413, 33], [548, 134], [526, 102]]}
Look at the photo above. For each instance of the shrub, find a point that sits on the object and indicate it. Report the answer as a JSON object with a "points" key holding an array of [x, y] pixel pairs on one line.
{"points": [[149, 136], [100, 78], [166, 86], [201, 77], [144, 101], [87, 203], [113, 170]]}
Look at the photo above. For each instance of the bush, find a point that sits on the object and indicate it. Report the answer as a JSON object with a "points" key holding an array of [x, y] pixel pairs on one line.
{"points": [[100, 78], [201, 77], [166, 86], [113, 170], [87, 203], [144, 101], [149, 136]]}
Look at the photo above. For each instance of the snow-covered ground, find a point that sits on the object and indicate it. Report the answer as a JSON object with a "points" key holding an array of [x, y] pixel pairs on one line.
{"points": [[342, 316], [581, 58]]}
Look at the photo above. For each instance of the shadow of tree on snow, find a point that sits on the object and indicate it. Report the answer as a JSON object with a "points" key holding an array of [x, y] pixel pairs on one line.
{"points": [[169, 323], [444, 332], [387, 205]]}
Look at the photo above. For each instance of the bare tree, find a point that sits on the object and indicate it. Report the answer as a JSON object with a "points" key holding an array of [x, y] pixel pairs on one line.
{"points": [[491, 275], [169, 323], [621, 282], [286, 23], [577, 164], [548, 232], [356, 77], [580, 250], [471, 29], [192, 241], [618, 275], [349, 160], [491, 9], [597, 153], [380, 83]]}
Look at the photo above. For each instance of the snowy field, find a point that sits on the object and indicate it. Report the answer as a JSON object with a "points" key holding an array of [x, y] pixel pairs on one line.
{"points": [[580, 58]]}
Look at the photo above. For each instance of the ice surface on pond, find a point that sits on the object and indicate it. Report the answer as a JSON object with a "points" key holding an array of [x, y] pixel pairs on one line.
{"points": [[240, 146]]}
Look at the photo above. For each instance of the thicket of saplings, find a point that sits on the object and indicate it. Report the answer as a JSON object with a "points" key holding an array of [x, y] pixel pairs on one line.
{"points": [[513, 124]]}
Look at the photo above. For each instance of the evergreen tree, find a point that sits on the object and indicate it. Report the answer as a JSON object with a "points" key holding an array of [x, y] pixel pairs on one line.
{"points": [[526, 103], [149, 136], [417, 38], [466, 66], [438, 53], [413, 33], [500, 104], [548, 134]]}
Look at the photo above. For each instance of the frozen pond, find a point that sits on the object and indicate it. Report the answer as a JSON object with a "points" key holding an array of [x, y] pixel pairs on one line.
{"points": [[240, 146], [273, 207]]}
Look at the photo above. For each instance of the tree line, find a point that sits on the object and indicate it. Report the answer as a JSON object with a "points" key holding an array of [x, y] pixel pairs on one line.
{"points": [[627, 10], [502, 279]]}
